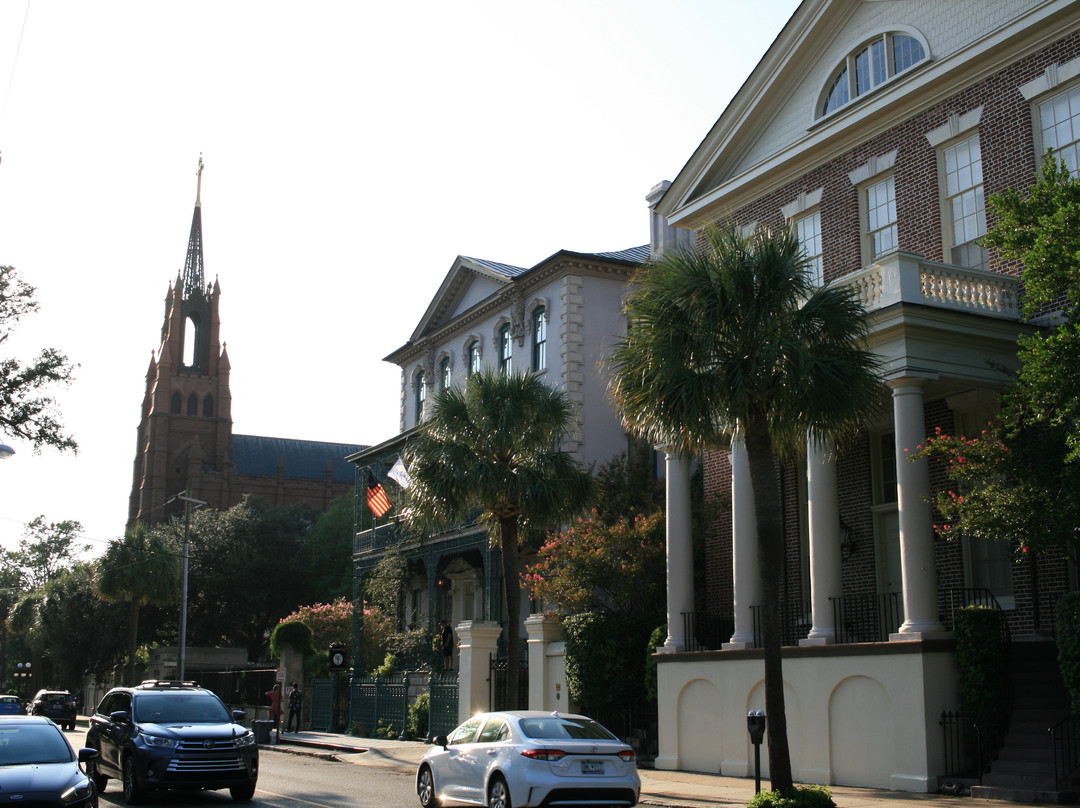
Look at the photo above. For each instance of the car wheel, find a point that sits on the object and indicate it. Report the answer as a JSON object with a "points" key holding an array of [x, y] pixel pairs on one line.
{"points": [[133, 792], [498, 793], [95, 774], [425, 788], [242, 793]]}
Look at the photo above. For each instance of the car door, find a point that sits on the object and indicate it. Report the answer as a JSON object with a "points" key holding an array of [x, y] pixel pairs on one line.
{"points": [[489, 749], [459, 777], [110, 732]]}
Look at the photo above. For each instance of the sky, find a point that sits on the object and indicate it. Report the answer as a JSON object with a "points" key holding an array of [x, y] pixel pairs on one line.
{"points": [[352, 150]]}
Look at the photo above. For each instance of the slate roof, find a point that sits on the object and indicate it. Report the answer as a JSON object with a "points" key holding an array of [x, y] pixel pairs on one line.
{"points": [[495, 266], [304, 459]]}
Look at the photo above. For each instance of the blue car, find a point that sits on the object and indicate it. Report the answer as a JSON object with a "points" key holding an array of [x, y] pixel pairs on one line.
{"points": [[10, 705], [39, 767]]}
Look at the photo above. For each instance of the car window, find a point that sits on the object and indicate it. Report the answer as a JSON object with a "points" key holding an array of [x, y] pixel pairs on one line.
{"points": [[554, 727], [494, 730], [180, 708], [33, 743], [465, 733]]}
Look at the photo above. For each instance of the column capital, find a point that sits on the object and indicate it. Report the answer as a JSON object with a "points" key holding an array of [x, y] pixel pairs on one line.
{"points": [[907, 380]]}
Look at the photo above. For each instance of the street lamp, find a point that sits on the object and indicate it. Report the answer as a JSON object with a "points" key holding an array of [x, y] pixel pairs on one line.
{"points": [[22, 673], [189, 502], [5, 451]]}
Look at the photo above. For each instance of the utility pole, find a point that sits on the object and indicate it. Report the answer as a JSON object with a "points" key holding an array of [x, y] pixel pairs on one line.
{"points": [[186, 498]]}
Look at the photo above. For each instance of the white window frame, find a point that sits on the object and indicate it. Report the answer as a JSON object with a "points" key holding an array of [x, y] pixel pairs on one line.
{"points": [[808, 229], [846, 72], [1058, 81], [960, 181], [804, 209]]}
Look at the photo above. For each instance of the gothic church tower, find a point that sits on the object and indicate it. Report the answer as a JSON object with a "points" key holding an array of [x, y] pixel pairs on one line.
{"points": [[186, 426]]}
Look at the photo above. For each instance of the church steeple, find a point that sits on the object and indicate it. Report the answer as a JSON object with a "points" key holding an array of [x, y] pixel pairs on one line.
{"points": [[193, 266]]}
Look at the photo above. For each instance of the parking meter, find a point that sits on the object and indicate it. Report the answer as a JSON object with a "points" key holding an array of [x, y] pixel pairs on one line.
{"points": [[755, 725]]}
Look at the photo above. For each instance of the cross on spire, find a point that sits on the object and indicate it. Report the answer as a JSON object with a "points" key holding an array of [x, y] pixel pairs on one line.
{"points": [[193, 266]]}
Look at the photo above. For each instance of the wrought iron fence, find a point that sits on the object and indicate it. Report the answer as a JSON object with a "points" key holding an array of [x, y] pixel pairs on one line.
{"points": [[866, 617], [971, 745], [960, 598], [707, 631], [795, 623], [1066, 737], [379, 706], [498, 681], [443, 704]]}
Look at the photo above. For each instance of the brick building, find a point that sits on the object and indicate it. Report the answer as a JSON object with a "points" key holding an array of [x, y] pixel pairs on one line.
{"points": [[877, 130], [185, 440]]}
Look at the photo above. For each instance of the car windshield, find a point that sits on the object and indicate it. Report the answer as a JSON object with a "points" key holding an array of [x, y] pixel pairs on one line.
{"points": [[558, 727], [32, 743], [179, 708]]}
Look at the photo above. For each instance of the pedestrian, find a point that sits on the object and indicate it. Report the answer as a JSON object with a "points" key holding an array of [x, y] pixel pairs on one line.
{"points": [[447, 646], [275, 706], [296, 705]]}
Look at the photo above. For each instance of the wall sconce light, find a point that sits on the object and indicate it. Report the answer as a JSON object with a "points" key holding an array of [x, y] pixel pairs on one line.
{"points": [[847, 541]]}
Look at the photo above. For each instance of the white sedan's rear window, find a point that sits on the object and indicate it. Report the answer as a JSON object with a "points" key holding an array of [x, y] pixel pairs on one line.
{"points": [[552, 728]]}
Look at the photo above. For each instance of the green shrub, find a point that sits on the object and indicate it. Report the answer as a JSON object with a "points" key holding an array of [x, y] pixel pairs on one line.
{"points": [[387, 668], [1068, 645], [417, 726], [386, 730], [655, 641], [798, 797], [981, 660], [596, 644]]}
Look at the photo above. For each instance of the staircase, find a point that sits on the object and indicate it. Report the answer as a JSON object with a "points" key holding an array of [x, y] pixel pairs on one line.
{"points": [[1024, 768]]}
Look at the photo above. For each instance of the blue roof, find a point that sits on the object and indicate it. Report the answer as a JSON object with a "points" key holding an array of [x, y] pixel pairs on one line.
{"points": [[635, 255], [495, 266], [304, 459]]}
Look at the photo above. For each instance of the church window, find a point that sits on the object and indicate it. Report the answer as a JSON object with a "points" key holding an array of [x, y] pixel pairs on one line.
{"points": [[191, 330], [870, 65], [192, 405], [175, 404], [208, 407]]}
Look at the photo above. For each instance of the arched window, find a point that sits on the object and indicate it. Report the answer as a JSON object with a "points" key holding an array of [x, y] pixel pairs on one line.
{"points": [[473, 365], [191, 332], [870, 65], [192, 405], [208, 407], [421, 395], [175, 404], [539, 331], [506, 350], [444, 373]]}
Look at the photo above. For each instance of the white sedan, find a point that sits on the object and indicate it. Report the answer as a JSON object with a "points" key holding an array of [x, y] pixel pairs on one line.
{"points": [[517, 759]]}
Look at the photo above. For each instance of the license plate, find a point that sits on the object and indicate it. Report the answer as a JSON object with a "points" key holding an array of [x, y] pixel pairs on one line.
{"points": [[592, 767]]}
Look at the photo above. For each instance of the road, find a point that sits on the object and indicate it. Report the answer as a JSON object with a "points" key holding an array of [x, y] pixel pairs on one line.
{"points": [[289, 780]]}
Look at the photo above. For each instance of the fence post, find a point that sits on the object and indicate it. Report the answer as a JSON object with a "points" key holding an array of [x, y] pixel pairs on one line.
{"points": [[478, 643]]}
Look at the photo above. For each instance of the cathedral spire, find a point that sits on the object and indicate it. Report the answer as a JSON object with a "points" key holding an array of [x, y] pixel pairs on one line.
{"points": [[193, 267]]}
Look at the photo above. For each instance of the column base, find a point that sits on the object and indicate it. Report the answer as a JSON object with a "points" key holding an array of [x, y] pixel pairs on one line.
{"points": [[667, 763], [736, 646], [913, 636], [822, 640]]}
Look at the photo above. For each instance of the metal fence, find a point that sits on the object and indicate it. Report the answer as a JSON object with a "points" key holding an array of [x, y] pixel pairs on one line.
{"points": [[443, 704]]}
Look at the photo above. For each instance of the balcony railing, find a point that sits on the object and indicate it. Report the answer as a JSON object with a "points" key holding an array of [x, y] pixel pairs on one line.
{"points": [[867, 617], [903, 277]]}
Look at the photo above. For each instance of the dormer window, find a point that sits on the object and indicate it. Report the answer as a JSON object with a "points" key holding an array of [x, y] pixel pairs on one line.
{"points": [[871, 65]]}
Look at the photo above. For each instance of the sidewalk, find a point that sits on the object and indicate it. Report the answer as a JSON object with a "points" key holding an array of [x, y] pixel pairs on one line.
{"points": [[662, 788]]}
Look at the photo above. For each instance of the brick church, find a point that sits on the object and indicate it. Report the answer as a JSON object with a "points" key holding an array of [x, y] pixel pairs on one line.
{"points": [[185, 438]]}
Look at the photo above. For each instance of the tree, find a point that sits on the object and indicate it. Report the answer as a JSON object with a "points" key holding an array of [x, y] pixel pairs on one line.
{"points": [[1019, 479], [732, 336], [491, 447], [47, 549], [25, 411], [140, 569], [328, 552]]}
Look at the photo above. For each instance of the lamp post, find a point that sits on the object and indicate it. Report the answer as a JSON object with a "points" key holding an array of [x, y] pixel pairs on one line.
{"points": [[22, 674], [5, 451], [189, 502]]}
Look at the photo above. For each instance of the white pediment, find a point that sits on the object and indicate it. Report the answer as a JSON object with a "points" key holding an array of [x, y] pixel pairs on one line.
{"points": [[468, 283]]}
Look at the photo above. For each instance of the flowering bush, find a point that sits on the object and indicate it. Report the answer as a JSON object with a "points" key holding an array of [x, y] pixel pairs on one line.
{"points": [[329, 622]]}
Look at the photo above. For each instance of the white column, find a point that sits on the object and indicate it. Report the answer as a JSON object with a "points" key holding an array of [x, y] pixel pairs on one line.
{"points": [[823, 505], [478, 641], [542, 631], [680, 551], [744, 548], [916, 529]]}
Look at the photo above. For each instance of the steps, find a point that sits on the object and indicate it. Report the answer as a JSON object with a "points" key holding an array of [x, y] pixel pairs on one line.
{"points": [[1024, 768]]}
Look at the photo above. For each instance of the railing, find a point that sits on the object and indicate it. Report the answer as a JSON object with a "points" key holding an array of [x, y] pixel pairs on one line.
{"points": [[867, 617], [903, 277], [380, 538], [971, 745], [957, 599], [1066, 736], [795, 623], [707, 631]]}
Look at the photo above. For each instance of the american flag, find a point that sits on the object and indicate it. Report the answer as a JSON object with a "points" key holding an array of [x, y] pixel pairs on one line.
{"points": [[376, 496]]}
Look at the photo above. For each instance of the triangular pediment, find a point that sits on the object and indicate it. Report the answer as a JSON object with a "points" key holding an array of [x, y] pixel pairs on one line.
{"points": [[469, 282], [774, 130]]}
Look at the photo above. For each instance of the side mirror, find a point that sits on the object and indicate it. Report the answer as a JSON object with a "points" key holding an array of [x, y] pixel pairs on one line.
{"points": [[86, 753], [120, 716], [440, 740], [238, 716]]}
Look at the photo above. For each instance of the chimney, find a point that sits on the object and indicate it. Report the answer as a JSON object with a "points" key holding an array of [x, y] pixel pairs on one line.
{"points": [[662, 236]]}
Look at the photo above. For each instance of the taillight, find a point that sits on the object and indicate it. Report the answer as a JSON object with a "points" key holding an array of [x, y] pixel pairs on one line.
{"points": [[629, 755], [549, 755]]}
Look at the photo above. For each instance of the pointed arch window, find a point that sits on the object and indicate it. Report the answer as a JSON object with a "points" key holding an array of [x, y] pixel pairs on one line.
{"points": [[539, 331], [506, 350], [208, 407], [192, 405], [870, 65], [175, 404]]}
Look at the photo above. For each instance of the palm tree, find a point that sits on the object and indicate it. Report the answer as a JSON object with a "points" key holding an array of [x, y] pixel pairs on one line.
{"points": [[492, 447], [140, 569], [733, 336]]}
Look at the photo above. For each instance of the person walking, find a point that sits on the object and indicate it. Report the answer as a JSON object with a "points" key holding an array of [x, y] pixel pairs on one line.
{"points": [[296, 706]]}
